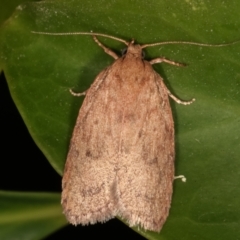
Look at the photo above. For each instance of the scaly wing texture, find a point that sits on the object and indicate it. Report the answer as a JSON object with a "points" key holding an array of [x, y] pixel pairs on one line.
{"points": [[121, 157], [146, 159], [88, 194]]}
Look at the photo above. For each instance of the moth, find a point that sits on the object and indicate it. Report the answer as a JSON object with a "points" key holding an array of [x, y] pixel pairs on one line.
{"points": [[121, 156]]}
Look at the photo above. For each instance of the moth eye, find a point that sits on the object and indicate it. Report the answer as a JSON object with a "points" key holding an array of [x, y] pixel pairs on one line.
{"points": [[124, 51]]}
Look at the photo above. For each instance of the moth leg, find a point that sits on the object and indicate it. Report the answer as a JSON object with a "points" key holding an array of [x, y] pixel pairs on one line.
{"points": [[77, 94], [106, 50], [178, 100], [182, 177], [159, 60], [162, 59]]}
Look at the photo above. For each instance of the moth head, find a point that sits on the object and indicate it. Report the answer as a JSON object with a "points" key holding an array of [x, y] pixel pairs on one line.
{"points": [[133, 50]]}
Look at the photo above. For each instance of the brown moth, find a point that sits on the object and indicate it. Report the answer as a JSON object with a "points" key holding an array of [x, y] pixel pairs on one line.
{"points": [[121, 156]]}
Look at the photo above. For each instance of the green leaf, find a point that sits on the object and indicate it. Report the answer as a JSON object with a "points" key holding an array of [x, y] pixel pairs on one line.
{"points": [[41, 69], [6, 9], [29, 215]]}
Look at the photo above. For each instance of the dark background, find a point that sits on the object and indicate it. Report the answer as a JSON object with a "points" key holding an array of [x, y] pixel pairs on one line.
{"points": [[25, 168]]}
